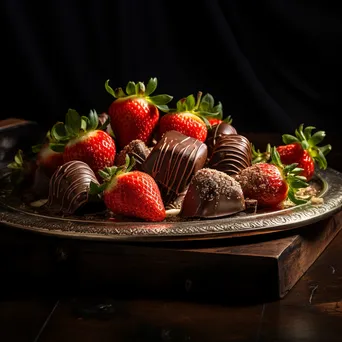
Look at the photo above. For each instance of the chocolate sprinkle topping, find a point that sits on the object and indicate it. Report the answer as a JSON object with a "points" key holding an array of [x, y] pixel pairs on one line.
{"points": [[212, 194]]}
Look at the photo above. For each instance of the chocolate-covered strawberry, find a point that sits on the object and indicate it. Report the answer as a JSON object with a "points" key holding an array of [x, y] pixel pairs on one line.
{"points": [[272, 183], [130, 193], [189, 118], [82, 138], [303, 149], [135, 113]]}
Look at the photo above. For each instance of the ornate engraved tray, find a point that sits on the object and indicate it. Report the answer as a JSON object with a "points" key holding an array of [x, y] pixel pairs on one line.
{"points": [[14, 213]]}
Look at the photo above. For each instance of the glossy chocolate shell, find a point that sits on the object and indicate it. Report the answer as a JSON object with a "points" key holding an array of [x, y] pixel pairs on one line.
{"points": [[215, 132], [69, 186], [212, 194], [172, 163], [232, 153]]}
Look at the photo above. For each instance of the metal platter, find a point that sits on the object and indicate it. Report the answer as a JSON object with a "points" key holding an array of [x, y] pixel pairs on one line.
{"points": [[14, 213]]}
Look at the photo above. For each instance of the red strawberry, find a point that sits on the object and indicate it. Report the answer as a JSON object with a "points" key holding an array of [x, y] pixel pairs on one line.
{"points": [[189, 118], [81, 138], [48, 159], [302, 149], [271, 183], [135, 116], [130, 193]]}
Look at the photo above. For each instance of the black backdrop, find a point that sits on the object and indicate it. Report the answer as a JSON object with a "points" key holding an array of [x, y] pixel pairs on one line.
{"points": [[273, 64]]}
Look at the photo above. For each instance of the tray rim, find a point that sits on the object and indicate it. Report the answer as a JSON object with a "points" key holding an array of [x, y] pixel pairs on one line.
{"points": [[209, 229]]}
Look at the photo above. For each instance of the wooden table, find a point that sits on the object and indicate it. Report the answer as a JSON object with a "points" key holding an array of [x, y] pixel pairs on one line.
{"points": [[311, 311]]}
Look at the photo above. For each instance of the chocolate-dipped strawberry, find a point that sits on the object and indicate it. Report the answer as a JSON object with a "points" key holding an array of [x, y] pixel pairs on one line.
{"points": [[69, 187], [212, 194], [216, 131], [136, 149], [231, 154], [172, 163]]}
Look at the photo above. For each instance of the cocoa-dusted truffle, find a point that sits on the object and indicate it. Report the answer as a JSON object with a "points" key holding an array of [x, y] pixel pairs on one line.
{"points": [[69, 186], [217, 131], [137, 149], [232, 153], [173, 161], [212, 194]]}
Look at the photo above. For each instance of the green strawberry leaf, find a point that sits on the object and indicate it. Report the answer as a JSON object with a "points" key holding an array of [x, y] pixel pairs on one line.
{"points": [[209, 115], [96, 189], [289, 139], [151, 86], [190, 103], [109, 89], [130, 88], [72, 122], [325, 149], [307, 132], [57, 147], [320, 159], [140, 88], [163, 108], [160, 99], [93, 121], [18, 158], [317, 138], [118, 92], [207, 102], [84, 123], [58, 132], [292, 197], [36, 148], [105, 125]]}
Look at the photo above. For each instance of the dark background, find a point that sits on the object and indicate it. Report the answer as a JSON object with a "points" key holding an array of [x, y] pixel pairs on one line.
{"points": [[273, 64]]}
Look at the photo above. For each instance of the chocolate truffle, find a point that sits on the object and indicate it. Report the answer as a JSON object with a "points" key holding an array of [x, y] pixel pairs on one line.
{"points": [[172, 163], [212, 194], [137, 149], [69, 186], [232, 153], [215, 132]]}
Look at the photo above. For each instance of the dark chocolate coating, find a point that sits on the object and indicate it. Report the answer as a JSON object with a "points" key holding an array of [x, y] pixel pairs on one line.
{"points": [[212, 194], [173, 161], [232, 153], [136, 149], [215, 132], [69, 186]]}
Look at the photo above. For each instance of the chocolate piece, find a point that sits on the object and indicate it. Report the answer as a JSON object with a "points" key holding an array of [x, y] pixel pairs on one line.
{"points": [[69, 186], [137, 149], [215, 132], [173, 162], [232, 153], [212, 194]]}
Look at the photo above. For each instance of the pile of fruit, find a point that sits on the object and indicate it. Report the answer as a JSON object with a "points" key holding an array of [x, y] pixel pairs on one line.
{"points": [[142, 158]]}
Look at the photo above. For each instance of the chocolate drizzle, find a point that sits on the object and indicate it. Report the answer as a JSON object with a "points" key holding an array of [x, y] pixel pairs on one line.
{"points": [[215, 132], [212, 194], [69, 186], [173, 161], [232, 153]]}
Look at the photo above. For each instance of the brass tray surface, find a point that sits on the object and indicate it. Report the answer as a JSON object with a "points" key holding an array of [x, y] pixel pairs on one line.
{"points": [[13, 213]]}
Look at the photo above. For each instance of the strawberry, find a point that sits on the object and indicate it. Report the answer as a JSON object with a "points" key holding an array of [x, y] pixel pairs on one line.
{"points": [[47, 159], [302, 149], [82, 138], [135, 114], [272, 183], [130, 193], [189, 118]]}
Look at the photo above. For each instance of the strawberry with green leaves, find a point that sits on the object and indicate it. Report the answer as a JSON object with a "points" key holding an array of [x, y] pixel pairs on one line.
{"points": [[83, 138], [190, 116], [130, 193], [271, 183], [47, 159], [303, 149], [135, 113]]}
